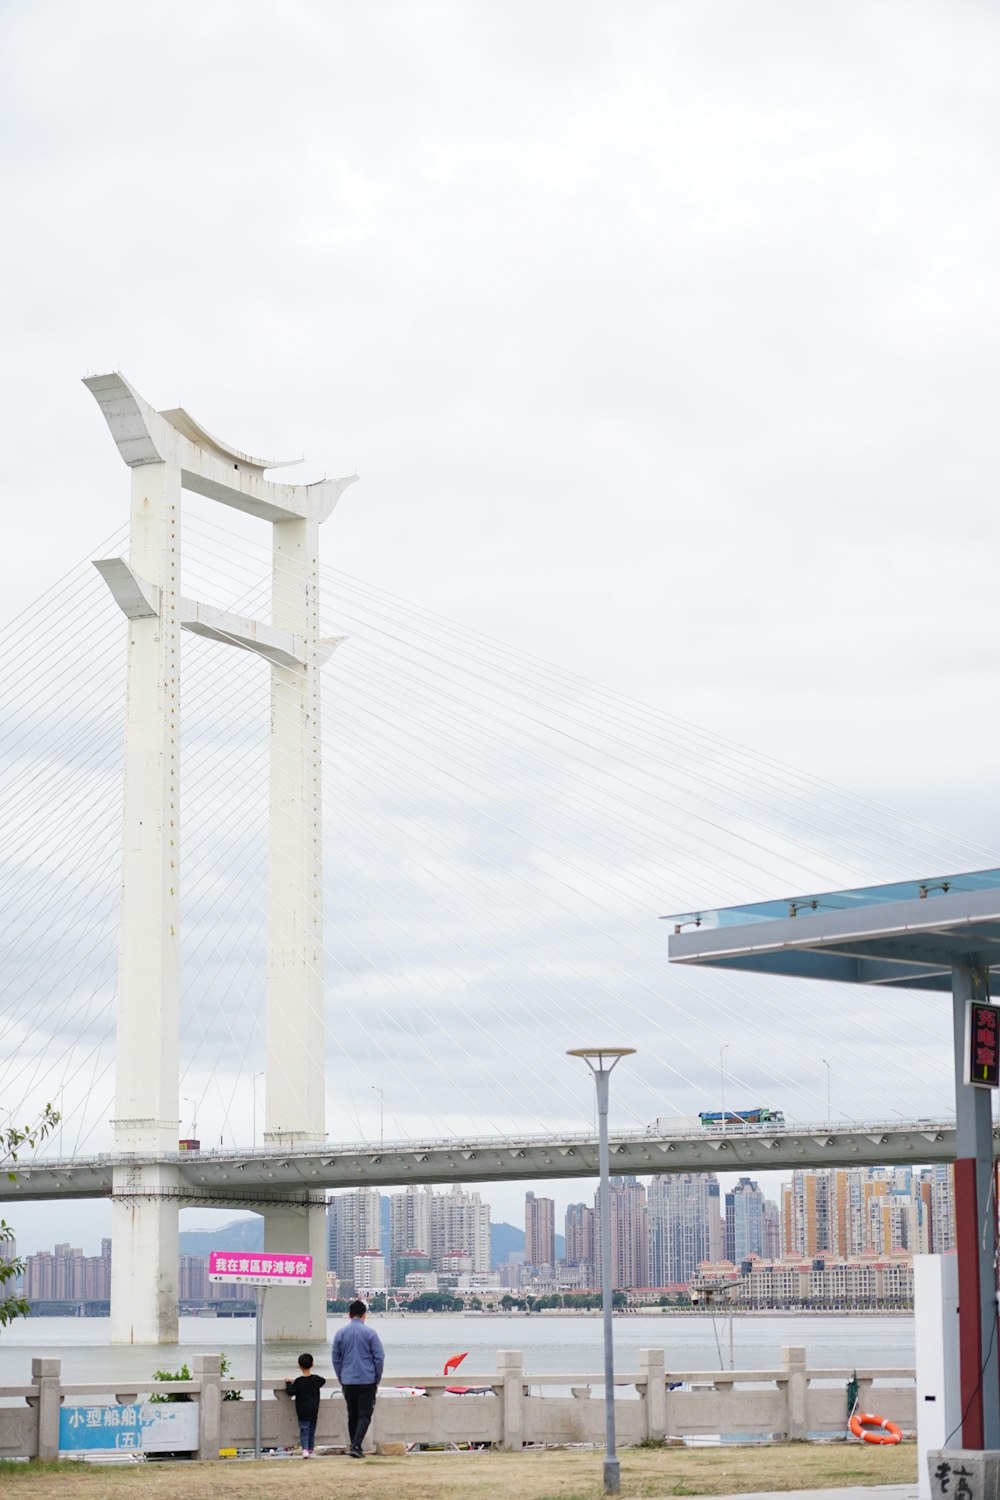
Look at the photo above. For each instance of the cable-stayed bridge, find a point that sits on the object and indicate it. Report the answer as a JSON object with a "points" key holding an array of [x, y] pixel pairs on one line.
{"points": [[393, 891]]}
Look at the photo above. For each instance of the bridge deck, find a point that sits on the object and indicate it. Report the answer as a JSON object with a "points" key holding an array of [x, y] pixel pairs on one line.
{"points": [[268, 1175]]}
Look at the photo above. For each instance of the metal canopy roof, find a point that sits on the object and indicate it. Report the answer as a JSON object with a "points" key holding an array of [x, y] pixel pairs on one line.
{"points": [[907, 934]]}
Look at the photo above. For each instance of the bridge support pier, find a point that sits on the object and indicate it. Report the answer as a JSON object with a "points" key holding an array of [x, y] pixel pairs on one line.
{"points": [[144, 1239], [297, 1312]]}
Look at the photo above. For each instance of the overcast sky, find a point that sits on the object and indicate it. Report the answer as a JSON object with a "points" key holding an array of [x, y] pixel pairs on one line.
{"points": [[663, 336]]}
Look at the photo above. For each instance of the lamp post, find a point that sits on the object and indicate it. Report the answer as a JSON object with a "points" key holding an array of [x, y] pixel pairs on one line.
{"points": [[601, 1061], [381, 1113], [829, 1116], [194, 1116]]}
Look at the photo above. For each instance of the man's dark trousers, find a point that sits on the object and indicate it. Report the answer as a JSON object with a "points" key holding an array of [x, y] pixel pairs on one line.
{"points": [[360, 1406]]}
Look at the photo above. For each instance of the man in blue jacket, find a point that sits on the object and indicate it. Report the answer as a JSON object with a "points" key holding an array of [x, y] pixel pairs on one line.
{"points": [[358, 1358]]}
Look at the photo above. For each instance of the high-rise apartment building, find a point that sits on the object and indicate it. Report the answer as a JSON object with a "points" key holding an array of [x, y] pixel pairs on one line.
{"points": [[579, 1248], [193, 1284], [716, 1224], [410, 1216], [851, 1211], [805, 1214], [539, 1231], [629, 1234], [67, 1275], [369, 1273], [744, 1221], [460, 1222], [939, 1188], [353, 1226], [684, 1225]]}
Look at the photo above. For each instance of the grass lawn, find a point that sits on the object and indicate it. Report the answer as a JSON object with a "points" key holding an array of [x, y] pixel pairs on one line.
{"points": [[547, 1474]]}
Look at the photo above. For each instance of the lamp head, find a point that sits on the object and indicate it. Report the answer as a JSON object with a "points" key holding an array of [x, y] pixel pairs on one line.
{"points": [[601, 1059]]}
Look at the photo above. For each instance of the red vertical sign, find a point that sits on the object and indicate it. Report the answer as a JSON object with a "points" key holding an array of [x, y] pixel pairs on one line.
{"points": [[982, 1045]]}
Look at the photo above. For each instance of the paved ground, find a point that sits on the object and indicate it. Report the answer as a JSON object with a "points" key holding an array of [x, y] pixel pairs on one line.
{"points": [[856, 1492]]}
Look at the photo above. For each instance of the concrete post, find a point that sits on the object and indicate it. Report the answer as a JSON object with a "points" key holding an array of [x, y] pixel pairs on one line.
{"points": [[296, 1029], [796, 1386], [145, 1205], [651, 1364], [653, 1368], [208, 1369], [510, 1376], [45, 1377], [965, 1473]]}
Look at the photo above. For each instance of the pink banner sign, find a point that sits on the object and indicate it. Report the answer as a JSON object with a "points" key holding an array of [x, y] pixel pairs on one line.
{"points": [[260, 1268]]}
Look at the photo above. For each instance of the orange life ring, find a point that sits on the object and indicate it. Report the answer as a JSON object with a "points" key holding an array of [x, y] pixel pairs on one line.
{"points": [[872, 1429]]}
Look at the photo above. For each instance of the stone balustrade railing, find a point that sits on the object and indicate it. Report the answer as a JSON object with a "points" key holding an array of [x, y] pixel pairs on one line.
{"points": [[657, 1403]]}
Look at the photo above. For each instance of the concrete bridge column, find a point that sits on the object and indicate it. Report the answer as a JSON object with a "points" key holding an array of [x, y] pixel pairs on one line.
{"points": [[297, 1312], [295, 1106], [145, 1207], [296, 1030]]}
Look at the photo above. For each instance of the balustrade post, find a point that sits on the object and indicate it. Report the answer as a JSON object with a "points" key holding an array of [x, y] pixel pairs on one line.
{"points": [[653, 1369], [47, 1380], [796, 1387], [208, 1372], [510, 1373]]}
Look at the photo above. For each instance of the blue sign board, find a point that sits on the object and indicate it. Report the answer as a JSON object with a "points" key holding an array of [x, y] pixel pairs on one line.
{"points": [[147, 1427]]}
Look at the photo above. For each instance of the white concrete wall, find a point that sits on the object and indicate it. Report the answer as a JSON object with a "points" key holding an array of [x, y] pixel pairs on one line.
{"points": [[786, 1402]]}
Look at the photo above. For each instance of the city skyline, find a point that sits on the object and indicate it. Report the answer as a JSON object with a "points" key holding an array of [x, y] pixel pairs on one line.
{"points": [[855, 1223]]}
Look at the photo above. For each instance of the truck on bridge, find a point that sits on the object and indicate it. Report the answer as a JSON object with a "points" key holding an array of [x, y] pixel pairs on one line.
{"points": [[717, 1119]]}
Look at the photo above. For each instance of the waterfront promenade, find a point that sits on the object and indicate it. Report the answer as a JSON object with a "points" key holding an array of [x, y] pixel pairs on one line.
{"points": [[656, 1408]]}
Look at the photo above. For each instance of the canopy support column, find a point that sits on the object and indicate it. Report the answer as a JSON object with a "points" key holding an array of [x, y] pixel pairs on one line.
{"points": [[975, 1229]]}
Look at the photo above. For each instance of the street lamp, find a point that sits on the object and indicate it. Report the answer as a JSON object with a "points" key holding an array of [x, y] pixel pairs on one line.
{"points": [[601, 1061], [381, 1113], [194, 1116], [829, 1116]]}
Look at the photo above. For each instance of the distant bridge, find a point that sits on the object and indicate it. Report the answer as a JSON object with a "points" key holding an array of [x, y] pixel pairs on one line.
{"points": [[299, 1176]]}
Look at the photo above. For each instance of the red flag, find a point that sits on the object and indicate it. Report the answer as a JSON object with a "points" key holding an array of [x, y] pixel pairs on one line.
{"points": [[454, 1362]]}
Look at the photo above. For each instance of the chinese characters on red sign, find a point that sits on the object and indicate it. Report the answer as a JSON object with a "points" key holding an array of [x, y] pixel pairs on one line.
{"points": [[982, 1051]]}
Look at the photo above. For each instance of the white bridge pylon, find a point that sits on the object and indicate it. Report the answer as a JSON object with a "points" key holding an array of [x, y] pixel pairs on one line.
{"points": [[167, 452]]}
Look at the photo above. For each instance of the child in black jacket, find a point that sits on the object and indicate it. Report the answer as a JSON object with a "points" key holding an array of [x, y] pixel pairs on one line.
{"points": [[306, 1388]]}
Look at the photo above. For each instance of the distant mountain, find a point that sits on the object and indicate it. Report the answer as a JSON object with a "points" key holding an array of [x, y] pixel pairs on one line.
{"points": [[238, 1234], [248, 1234], [503, 1239], [507, 1237]]}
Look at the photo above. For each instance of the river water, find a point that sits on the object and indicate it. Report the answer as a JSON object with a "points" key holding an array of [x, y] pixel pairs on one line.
{"points": [[418, 1344]]}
